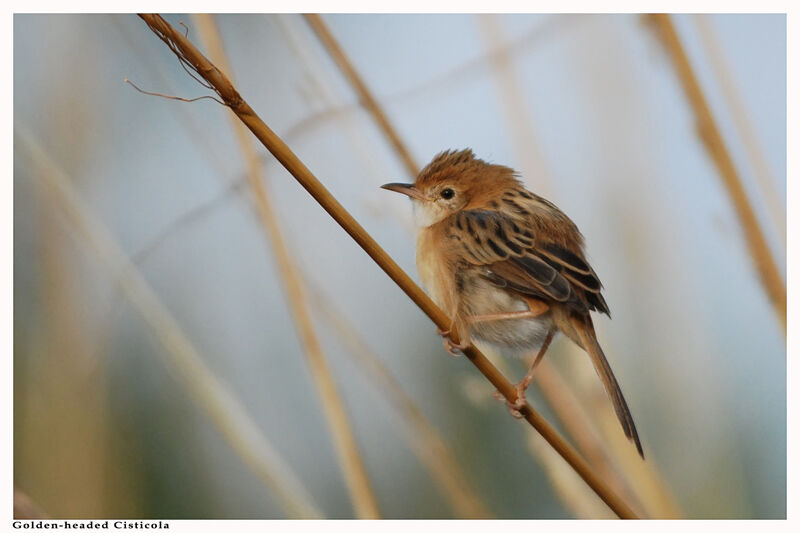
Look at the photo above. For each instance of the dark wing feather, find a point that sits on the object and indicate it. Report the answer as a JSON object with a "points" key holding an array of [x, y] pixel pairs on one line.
{"points": [[522, 259], [530, 276]]}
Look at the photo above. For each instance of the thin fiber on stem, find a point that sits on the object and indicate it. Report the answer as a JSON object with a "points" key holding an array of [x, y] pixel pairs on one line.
{"points": [[188, 53], [355, 473]]}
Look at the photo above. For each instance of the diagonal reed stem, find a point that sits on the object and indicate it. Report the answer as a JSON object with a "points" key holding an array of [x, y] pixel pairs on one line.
{"points": [[715, 145], [188, 54], [364, 94], [219, 402], [355, 473]]}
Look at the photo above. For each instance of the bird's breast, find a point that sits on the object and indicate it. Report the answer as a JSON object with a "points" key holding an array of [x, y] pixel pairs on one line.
{"points": [[435, 269]]}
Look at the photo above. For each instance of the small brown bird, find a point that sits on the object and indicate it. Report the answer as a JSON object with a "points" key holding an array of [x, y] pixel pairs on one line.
{"points": [[506, 265]]}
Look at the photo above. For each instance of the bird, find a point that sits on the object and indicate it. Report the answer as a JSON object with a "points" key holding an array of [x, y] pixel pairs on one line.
{"points": [[507, 266]]}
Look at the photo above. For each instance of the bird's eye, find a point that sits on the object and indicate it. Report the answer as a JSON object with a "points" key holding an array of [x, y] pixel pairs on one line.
{"points": [[447, 193]]}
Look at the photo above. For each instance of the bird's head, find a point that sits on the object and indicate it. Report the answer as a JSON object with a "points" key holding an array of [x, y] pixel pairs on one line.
{"points": [[454, 181]]}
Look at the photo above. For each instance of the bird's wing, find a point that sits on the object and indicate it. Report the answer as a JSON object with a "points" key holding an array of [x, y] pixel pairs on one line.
{"points": [[522, 253], [530, 252]]}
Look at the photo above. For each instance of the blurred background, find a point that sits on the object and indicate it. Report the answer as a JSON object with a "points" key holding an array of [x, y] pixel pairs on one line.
{"points": [[158, 370]]}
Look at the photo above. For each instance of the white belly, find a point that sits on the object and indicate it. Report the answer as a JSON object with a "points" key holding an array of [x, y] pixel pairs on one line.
{"points": [[514, 337]]}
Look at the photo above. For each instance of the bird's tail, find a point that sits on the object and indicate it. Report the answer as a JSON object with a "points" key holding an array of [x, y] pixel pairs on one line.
{"points": [[586, 338]]}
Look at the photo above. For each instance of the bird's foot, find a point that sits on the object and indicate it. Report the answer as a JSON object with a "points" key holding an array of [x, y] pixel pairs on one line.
{"points": [[515, 407], [452, 348]]}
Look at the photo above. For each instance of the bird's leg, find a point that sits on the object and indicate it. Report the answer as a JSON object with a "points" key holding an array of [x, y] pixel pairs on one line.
{"points": [[453, 349], [536, 308], [515, 407], [523, 385]]}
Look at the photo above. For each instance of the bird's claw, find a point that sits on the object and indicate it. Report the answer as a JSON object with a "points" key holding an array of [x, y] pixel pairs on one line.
{"points": [[452, 348], [514, 408]]}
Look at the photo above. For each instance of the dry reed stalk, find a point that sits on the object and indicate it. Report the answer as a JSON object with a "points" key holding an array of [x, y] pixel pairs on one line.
{"points": [[192, 58], [355, 473], [776, 208], [364, 94], [183, 359], [425, 440], [715, 145]]}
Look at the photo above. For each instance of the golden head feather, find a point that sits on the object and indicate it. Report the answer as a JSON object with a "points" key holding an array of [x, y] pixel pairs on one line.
{"points": [[454, 181]]}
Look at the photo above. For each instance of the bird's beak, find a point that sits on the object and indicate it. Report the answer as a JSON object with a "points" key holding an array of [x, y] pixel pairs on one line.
{"points": [[405, 188]]}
